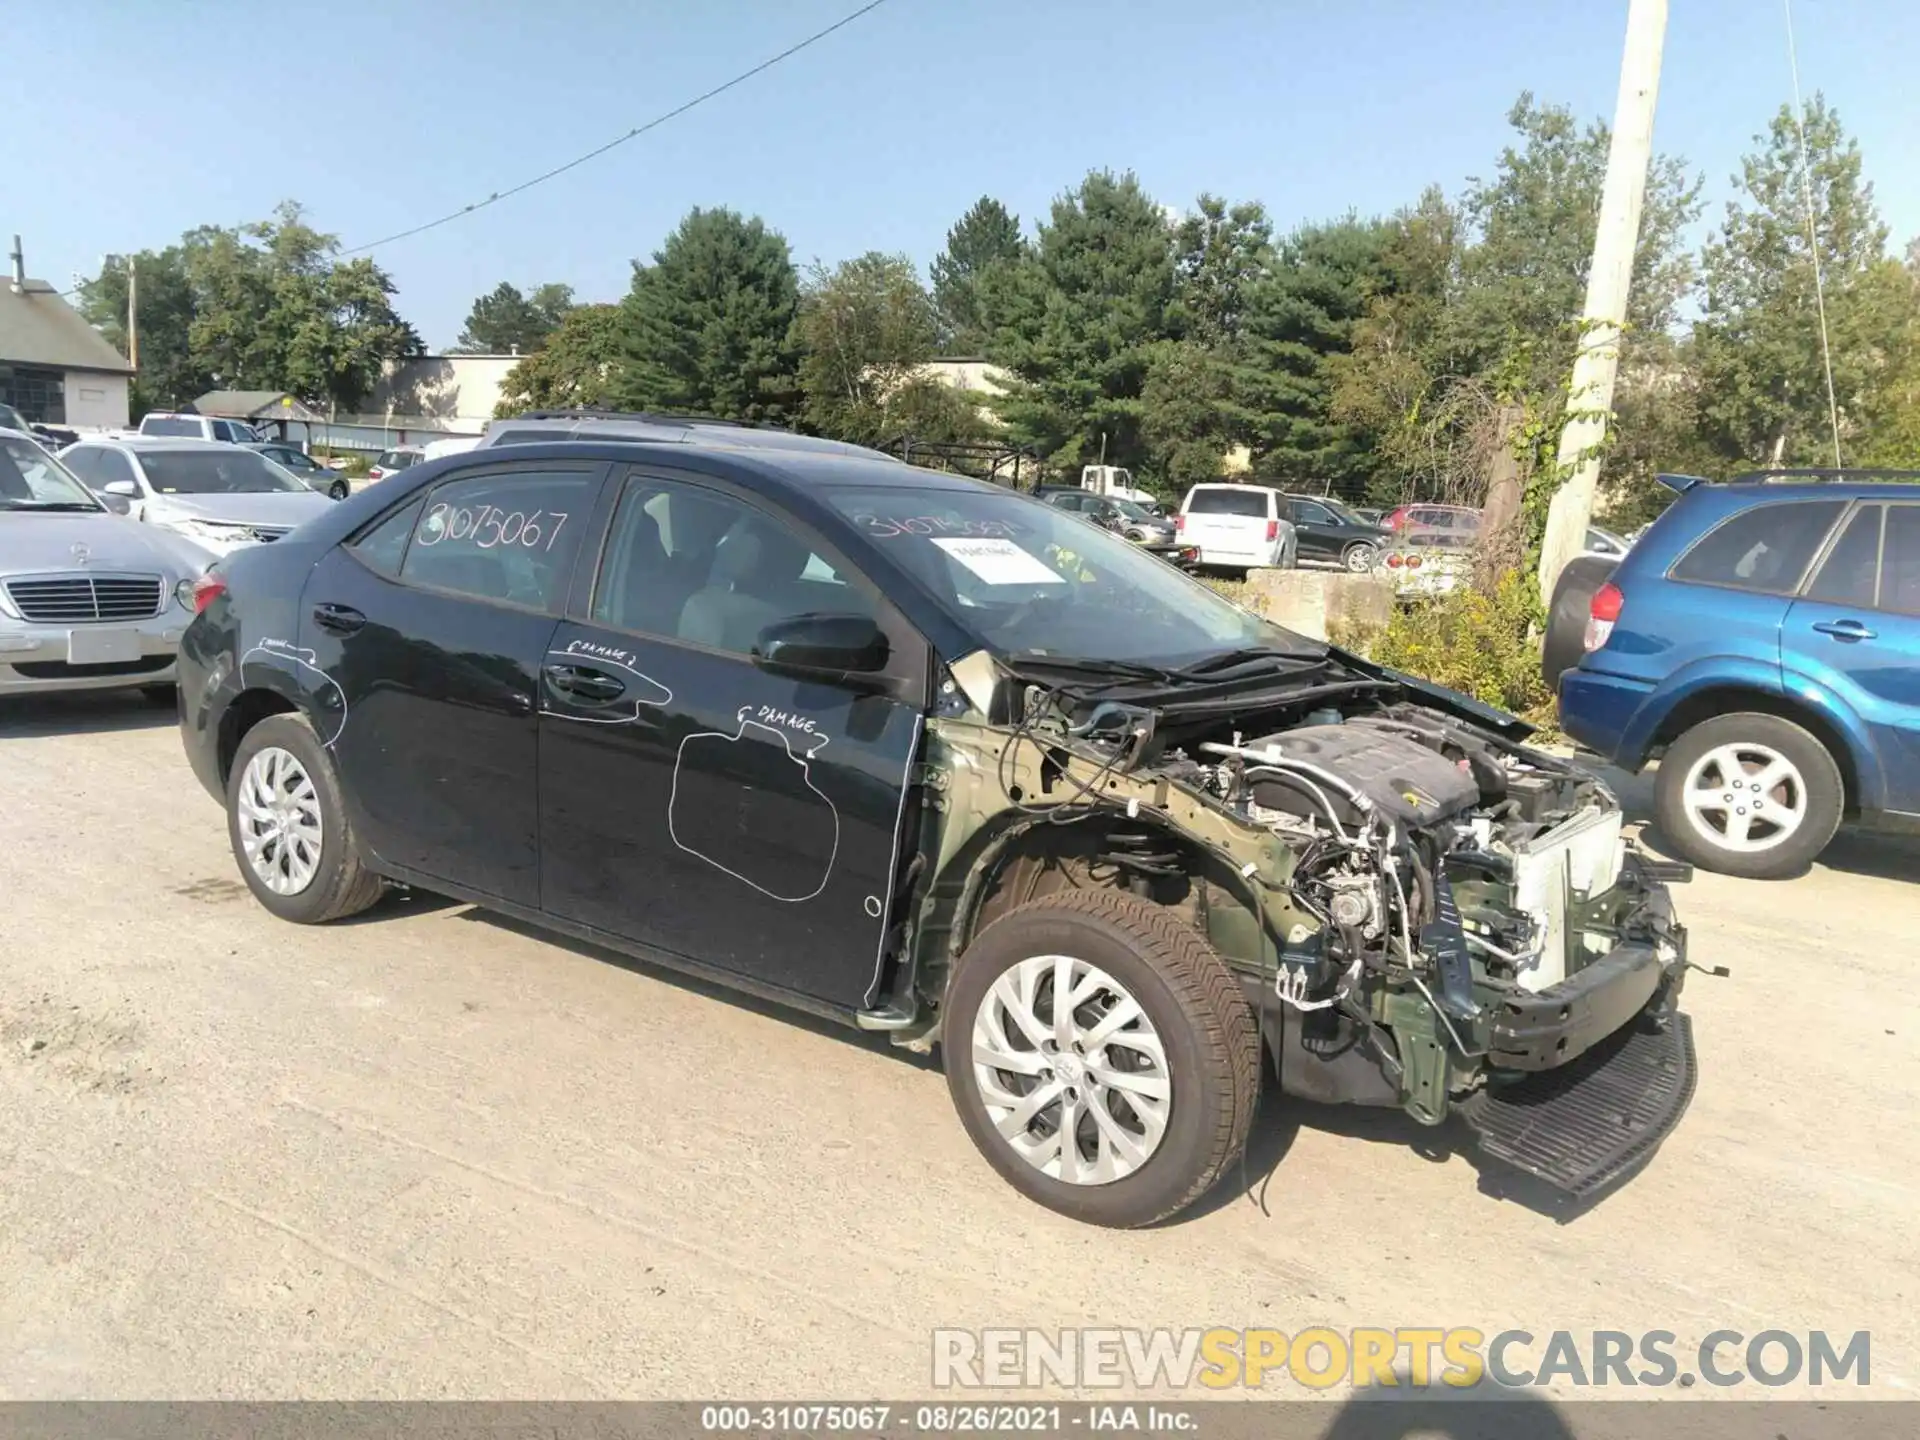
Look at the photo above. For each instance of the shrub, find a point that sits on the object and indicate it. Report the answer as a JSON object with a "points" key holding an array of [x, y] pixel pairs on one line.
{"points": [[1484, 644]]}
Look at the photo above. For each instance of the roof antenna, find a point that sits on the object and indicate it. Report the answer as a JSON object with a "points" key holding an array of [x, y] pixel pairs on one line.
{"points": [[1813, 237]]}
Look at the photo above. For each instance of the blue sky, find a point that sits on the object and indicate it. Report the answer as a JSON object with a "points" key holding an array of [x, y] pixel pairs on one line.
{"points": [[140, 120]]}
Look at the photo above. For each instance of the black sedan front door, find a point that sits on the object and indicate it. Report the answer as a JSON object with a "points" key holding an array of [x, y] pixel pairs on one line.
{"points": [[432, 627], [695, 803]]}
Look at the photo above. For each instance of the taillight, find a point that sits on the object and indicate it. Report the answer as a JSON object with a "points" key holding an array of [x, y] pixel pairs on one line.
{"points": [[1273, 529], [1394, 562], [1601, 615], [1179, 524], [204, 591], [1413, 562]]}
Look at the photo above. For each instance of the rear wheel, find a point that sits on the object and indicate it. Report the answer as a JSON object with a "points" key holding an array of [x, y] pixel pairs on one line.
{"points": [[339, 489], [289, 828], [1750, 794], [1102, 1057]]}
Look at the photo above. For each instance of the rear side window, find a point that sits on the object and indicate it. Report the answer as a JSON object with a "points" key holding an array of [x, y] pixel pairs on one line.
{"points": [[1900, 561], [1250, 503], [1851, 571], [507, 536], [170, 425], [1765, 549]]}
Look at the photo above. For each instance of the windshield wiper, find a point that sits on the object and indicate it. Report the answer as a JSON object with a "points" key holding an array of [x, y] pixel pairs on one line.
{"points": [[1213, 665], [1089, 665]]}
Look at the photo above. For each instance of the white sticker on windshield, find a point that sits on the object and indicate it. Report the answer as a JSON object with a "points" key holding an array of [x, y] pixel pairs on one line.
{"points": [[1000, 562]]}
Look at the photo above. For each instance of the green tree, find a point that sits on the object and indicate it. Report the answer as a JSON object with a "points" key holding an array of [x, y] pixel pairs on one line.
{"points": [[864, 329], [986, 238], [506, 322], [1761, 372], [578, 366], [707, 327], [1302, 315], [1078, 322], [1523, 280], [267, 306]]}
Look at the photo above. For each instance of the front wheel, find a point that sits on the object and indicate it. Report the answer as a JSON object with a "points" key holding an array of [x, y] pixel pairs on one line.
{"points": [[1360, 557], [339, 489], [1752, 795], [1102, 1057], [289, 828]]}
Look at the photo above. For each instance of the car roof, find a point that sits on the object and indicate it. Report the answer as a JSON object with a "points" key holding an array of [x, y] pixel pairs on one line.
{"points": [[802, 471], [168, 442], [698, 430]]}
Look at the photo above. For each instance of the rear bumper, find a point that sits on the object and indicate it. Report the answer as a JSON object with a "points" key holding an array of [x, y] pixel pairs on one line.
{"points": [[1597, 710]]}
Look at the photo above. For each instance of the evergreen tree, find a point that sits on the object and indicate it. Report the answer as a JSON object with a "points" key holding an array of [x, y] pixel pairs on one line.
{"points": [[707, 327], [986, 238]]}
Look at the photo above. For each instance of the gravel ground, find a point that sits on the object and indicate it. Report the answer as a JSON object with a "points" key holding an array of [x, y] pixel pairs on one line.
{"points": [[431, 1154]]}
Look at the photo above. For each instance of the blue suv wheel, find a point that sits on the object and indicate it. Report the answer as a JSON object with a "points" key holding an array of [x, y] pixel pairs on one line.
{"points": [[1750, 795]]}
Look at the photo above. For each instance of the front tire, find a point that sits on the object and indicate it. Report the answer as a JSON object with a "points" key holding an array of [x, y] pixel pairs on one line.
{"points": [[339, 490], [1126, 1105], [1749, 794], [288, 827], [1359, 558]]}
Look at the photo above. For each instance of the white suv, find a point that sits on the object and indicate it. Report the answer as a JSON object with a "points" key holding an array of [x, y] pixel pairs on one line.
{"points": [[1239, 527]]}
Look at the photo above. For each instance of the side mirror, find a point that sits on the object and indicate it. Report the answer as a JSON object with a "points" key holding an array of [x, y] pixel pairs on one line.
{"points": [[819, 647], [118, 504], [124, 488]]}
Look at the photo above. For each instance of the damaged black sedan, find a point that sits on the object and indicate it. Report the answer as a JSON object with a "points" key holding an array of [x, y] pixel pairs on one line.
{"points": [[942, 762]]}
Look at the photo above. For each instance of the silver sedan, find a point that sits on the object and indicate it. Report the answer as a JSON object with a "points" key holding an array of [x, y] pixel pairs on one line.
{"points": [[89, 600]]}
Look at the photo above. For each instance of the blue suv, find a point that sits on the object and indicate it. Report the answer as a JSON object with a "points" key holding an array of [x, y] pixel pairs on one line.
{"points": [[1762, 641]]}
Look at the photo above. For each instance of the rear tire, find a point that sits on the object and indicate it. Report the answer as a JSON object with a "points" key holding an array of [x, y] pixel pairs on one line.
{"points": [[1192, 1055], [1359, 557], [339, 490], [1566, 639], [1749, 794], [307, 883]]}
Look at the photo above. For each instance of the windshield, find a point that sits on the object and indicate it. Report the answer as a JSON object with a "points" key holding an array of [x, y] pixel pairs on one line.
{"points": [[1133, 510], [31, 479], [220, 470], [1341, 512], [1027, 578]]}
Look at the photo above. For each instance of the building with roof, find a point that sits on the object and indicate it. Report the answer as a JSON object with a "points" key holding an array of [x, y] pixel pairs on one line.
{"points": [[55, 368], [268, 411]]}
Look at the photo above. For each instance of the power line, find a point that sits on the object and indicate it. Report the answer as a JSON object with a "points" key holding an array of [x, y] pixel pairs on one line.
{"points": [[632, 134], [1813, 236]]}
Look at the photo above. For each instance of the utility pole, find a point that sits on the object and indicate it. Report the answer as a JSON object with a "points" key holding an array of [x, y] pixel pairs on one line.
{"points": [[133, 313], [1609, 281]]}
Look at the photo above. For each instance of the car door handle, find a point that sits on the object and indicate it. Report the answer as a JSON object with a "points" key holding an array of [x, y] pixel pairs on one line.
{"points": [[338, 619], [1844, 630], [588, 687]]}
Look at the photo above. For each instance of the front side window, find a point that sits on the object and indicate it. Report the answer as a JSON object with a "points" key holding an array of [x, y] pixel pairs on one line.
{"points": [[1900, 561], [1306, 512], [383, 547], [702, 567], [1024, 578], [508, 535], [1765, 549], [221, 470], [1851, 572]]}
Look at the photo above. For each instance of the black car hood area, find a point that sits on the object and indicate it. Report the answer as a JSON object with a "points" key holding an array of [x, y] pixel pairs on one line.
{"points": [[1254, 683]]}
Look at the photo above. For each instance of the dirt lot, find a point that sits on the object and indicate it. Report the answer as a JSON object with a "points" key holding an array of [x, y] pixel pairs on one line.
{"points": [[429, 1154]]}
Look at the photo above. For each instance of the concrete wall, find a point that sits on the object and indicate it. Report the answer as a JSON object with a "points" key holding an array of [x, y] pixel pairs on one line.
{"points": [[459, 391], [96, 400], [1315, 602]]}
